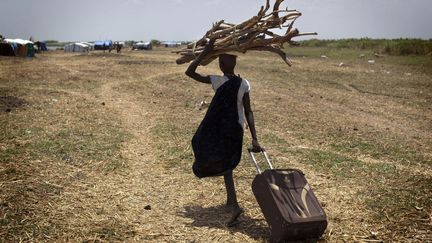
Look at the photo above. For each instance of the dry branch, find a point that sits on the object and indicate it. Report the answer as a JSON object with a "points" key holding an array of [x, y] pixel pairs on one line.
{"points": [[253, 34]]}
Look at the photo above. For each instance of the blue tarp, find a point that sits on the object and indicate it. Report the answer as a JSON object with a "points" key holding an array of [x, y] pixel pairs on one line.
{"points": [[43, 46], [103, 45]]}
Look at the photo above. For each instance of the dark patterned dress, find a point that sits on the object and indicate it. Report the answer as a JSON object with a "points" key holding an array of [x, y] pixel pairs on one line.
{"points": [[217, 143]]}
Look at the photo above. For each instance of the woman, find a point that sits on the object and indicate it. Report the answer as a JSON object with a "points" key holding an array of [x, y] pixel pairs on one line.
{"points": [[217, 143]]}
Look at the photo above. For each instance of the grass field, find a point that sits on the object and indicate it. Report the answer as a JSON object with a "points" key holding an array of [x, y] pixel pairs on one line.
{"points": [[96, 147]]}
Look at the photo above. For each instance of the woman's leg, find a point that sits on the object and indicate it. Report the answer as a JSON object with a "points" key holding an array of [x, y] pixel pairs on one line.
{"points": [[230, 189], [232, 199]]}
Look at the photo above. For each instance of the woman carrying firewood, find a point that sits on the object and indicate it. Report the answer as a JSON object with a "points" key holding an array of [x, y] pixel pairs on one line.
{"points": [[217, 143]]}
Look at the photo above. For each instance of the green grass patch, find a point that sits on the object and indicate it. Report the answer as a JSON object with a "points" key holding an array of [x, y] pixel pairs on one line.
{"points": [[174, 145], [401, 47], [380, 150], [72, 146], [401, 203], [419, 62], [273, 140], [79, 136], [390, 194], [331, 53], [343, 166]]}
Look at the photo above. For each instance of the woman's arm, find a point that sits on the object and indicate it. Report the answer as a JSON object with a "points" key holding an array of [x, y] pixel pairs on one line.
{"points": [[191, 71], [251, 122]]}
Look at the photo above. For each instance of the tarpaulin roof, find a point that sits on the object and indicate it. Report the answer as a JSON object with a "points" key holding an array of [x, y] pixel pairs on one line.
{"points": [[103, 43], [81, 44], [171, 42], [76, 47], [18, 41], [143, 43], [86, 43]]}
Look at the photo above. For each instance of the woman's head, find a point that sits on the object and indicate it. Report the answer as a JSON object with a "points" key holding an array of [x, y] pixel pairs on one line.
{"points": [[227, 63]]}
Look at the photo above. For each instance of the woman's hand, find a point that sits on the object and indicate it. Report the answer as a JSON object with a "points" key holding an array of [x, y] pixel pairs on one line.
{"points": [[209, 46], [191, 70], [256, 147]]}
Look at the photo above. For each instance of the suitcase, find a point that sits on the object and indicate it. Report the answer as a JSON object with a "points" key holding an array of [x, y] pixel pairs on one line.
{"points": [[288, 203]]}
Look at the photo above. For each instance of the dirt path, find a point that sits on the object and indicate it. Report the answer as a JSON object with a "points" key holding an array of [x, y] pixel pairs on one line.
{"points": [[181, 206]]}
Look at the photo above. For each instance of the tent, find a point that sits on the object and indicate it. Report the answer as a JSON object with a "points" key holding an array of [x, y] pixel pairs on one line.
{"points": [[171, 43], [6, 49], [142, 46], [90, 45], [103, 45], [41, 46], [76, 47], [22, 48]]}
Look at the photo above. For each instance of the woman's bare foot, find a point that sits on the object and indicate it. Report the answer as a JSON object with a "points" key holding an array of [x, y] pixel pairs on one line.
{"points": [[236, 212]]}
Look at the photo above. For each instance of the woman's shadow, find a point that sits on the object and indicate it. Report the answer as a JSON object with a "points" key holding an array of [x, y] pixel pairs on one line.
{"points": [[217, 216]]}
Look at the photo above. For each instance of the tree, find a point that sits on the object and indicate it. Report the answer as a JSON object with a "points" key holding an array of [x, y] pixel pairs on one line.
{"points": [[156, 42]]}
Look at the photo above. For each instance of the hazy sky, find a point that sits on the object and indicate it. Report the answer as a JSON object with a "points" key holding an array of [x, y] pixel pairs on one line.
{"points": [[69, 20]]}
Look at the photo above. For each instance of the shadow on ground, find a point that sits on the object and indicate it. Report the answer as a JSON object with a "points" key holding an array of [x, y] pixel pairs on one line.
{"points": [[216, 217]]}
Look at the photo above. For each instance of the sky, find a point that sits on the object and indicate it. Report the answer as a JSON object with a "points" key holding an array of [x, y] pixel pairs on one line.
{"points": [[88, 20]]}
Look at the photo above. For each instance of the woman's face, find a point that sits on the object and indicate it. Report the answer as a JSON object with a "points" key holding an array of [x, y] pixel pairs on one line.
{"points": [[227, 63]]}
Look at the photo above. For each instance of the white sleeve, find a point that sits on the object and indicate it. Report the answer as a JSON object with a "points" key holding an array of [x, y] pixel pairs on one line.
{"points": [[216, 81], [245, 86]]}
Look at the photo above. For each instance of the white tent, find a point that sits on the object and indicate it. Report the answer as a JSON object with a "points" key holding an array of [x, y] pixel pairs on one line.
{"points": [[90, 45], [171, 43], [76, 47], [142, 46]]}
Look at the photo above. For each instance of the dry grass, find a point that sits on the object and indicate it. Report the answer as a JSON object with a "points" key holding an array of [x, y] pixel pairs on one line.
{"points": [[89, 142]]}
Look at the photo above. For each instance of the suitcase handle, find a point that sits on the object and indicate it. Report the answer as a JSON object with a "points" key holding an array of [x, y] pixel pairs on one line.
{"points": [[251, 153]]}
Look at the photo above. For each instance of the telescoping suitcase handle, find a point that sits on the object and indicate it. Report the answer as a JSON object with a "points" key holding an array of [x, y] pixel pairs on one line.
{"points": [[251, 153]]}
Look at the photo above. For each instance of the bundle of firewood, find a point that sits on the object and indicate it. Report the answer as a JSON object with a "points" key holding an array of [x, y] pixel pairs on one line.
{"points": [[254, 34]]}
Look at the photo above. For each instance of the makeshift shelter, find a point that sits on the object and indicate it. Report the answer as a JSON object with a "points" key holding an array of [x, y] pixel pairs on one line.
{"points": [[103, 45], [6, 49], [76, 47], [90, 45], [22, 48], [142, 46], [41, 46], [171, 43], [30, 50]]}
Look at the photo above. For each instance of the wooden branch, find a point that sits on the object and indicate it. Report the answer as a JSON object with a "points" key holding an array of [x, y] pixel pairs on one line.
{"points": [[253, 34]]}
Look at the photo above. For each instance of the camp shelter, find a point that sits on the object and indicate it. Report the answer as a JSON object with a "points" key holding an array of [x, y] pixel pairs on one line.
{"points": [[142, 46], [22, 48], [6, 49], [90, 45], [41, 46], [30, 50], [103, 45], [76, 47], [171, 43]]}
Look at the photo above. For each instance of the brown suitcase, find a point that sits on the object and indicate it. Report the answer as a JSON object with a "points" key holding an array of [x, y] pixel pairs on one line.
{"points": [[288, 203]]}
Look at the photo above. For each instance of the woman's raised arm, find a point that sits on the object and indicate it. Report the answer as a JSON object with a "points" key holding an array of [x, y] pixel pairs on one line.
{"points": [[191, 71]]}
